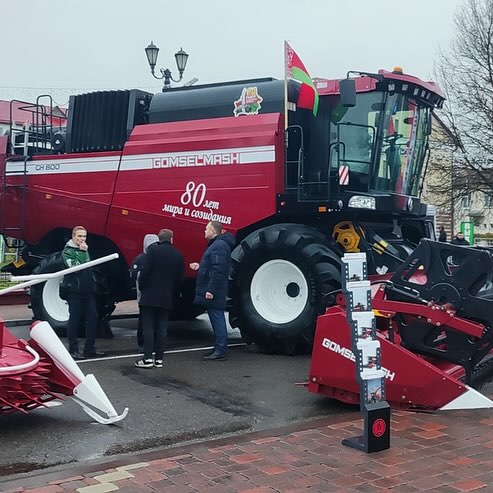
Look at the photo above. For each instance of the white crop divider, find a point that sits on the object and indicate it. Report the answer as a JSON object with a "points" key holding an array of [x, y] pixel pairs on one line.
{"points": [[87, 393]]}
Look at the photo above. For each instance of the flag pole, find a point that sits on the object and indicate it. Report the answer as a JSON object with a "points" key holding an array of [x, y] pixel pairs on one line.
{"points": [[285, 85]]}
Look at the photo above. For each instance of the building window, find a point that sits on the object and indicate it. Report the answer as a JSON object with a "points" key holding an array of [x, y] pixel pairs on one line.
{"points": [[466, 202]]}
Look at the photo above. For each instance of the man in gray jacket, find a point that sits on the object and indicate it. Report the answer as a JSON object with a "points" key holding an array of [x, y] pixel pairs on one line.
{"points": [[161, 276]]}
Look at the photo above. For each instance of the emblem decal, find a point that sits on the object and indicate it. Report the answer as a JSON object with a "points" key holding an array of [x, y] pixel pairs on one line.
{"points": [[379, 427], [249, 102]]}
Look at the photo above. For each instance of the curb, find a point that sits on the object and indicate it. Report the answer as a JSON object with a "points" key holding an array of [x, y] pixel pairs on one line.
{"points": [[43, 478], [17, 323]]}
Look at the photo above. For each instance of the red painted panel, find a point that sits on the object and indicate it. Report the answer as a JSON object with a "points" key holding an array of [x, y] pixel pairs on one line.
{"points": [[77, 155], [411, 380], [184, 199], [364, 84], [124, 205], [216, 133], [60, 200]]}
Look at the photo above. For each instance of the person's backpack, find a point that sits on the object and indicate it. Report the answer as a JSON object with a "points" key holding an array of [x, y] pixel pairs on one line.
{"points": [[63, 289]]}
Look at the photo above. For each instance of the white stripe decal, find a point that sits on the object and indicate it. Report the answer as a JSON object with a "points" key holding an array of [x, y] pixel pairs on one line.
{"points": [[241, 155], [54, 166]]}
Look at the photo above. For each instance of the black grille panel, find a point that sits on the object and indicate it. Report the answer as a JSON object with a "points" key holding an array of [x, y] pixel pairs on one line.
{"points": [[102, 121]]}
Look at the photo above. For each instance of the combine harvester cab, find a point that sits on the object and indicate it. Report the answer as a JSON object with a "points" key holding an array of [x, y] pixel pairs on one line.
{"points": [[434, 324]]}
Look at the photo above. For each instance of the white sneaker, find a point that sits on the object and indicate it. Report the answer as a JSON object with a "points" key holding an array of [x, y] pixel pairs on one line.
{"points": [[158, 363], [144, 363]]}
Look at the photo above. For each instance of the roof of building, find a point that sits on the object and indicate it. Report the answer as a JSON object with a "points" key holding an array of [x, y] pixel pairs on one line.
{"points": [[23, 112]]}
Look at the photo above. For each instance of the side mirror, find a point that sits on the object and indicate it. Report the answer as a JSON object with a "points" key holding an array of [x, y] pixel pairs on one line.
{"points": [[347, 89]]}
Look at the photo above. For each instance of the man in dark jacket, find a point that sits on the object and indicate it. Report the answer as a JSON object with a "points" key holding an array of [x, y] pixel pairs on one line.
{"points": [[458, 240], [212, 284], [443, 235], [149, 240], [80, 295], [161, 276]]}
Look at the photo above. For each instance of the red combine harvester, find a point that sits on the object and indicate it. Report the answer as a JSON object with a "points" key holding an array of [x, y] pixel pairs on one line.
{"points": [[297, 190], [434, 317]]}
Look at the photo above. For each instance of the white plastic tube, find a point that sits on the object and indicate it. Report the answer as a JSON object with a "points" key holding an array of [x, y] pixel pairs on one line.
{"points": [[25, 366]]}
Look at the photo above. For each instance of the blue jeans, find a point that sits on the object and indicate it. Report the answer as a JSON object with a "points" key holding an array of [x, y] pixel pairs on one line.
{"points": [[218, 323], [81, 308]]}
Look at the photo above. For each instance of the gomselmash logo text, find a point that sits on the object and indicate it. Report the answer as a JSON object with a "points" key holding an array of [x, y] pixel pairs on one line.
{"points": [[348, 354]]}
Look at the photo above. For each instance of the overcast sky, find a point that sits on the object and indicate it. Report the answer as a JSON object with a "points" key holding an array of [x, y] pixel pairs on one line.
{"points": [[80, 45]]}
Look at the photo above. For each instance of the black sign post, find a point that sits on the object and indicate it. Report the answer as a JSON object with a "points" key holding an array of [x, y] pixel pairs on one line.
{"points": [[366, 348]]}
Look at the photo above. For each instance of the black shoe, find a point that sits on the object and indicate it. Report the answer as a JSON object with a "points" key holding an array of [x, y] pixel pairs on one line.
{"points": [[77, 356], [215, 357], [208, 353], [94, 354]]}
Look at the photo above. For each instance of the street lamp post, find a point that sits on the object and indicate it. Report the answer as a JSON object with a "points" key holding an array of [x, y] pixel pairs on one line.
{"points": [[181, 58]]}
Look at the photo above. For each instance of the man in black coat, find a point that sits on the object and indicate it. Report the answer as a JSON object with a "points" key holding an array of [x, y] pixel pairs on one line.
{"points": [[458, 240], [161, 275], [212, 284], [149, 240]]}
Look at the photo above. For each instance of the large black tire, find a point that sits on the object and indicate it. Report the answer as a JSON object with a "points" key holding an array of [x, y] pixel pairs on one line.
{"points": [[46, 303], [281, 281]]}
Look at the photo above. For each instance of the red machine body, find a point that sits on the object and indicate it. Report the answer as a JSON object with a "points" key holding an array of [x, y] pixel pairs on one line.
{"points": [[129, 163], [431, 355], [150, 184], [412, 381]]}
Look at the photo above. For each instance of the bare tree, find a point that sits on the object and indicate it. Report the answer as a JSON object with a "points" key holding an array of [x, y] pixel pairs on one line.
{"points": [[465, 73]]}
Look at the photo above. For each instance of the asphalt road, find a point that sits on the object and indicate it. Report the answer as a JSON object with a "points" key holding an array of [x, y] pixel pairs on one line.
{"points": [[187, 400]]}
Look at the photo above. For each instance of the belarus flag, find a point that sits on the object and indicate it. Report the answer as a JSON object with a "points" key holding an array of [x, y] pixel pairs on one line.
{"points": [[294, 68]]}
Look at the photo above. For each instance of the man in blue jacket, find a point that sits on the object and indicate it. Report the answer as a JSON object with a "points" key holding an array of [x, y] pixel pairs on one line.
{"points": [[212, 284]]}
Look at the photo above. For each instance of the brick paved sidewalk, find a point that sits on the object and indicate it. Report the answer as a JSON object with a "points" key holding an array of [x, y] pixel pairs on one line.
{"points": [[449, 452]]}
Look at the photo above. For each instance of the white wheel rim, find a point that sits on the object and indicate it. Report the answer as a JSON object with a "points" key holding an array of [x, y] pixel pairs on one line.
{"points": [[279, 291], [55, 307]]}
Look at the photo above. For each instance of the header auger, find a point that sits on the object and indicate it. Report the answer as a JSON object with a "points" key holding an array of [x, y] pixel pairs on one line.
{"points": [[434, 323]]}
